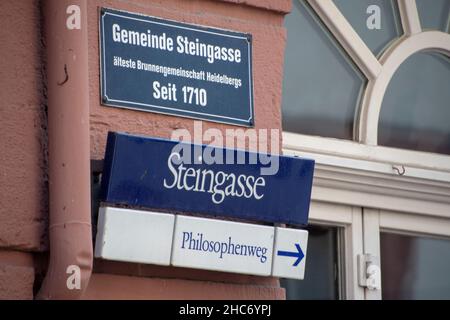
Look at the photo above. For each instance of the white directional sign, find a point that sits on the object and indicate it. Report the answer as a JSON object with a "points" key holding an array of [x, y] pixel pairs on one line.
{"points": [[222, 246], [134, 236], [211, 244], [289, 253]]}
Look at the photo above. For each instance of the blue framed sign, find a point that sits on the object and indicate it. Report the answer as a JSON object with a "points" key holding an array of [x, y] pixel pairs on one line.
{"points": [[177, 177], [156, 65]]}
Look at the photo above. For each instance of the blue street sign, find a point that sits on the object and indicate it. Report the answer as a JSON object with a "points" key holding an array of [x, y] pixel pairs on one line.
{"points": [[156, 65], [181, 177], [296, 254]]}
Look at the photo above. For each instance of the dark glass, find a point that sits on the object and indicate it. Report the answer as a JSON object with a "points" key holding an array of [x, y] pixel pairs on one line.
{"points": [[355, 11], [414, 267], [321, 271], [434, 14], [415, 113], [321, 87]]}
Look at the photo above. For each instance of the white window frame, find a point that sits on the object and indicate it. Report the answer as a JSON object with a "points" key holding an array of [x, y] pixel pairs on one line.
{"points": [[375, 177], [348, 218], [399, 190], [417, 225]]}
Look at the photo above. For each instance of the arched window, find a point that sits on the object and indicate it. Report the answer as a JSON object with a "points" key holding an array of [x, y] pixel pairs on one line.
{"points": [[339, 64]]}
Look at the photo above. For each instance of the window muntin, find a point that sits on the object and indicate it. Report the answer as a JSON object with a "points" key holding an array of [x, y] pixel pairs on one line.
{"points": [[356, 13], [321, 87]]}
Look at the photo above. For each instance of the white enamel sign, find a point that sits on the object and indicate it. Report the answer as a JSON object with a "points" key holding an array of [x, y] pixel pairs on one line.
{"points": [[222, 246], [289, 254], [211, 244], [134, 236]]}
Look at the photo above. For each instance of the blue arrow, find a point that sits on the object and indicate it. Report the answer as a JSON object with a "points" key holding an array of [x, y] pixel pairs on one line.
{"points": [[299, 254]]}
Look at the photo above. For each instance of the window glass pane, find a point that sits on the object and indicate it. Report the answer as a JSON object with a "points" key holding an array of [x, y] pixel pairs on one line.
{"points": [[414, 267], [321, 270], [321, 87], [415, 113], [377, 22], [434, 14]]}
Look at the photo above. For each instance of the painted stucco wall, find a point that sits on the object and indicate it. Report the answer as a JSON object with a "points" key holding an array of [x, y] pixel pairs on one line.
{"points": [[23, 128], [23, 142]]}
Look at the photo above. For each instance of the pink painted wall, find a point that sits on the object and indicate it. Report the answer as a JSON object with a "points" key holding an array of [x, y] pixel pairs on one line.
{"points": [[23, 140], [23, 195], [23, 143], [107, 286]]}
